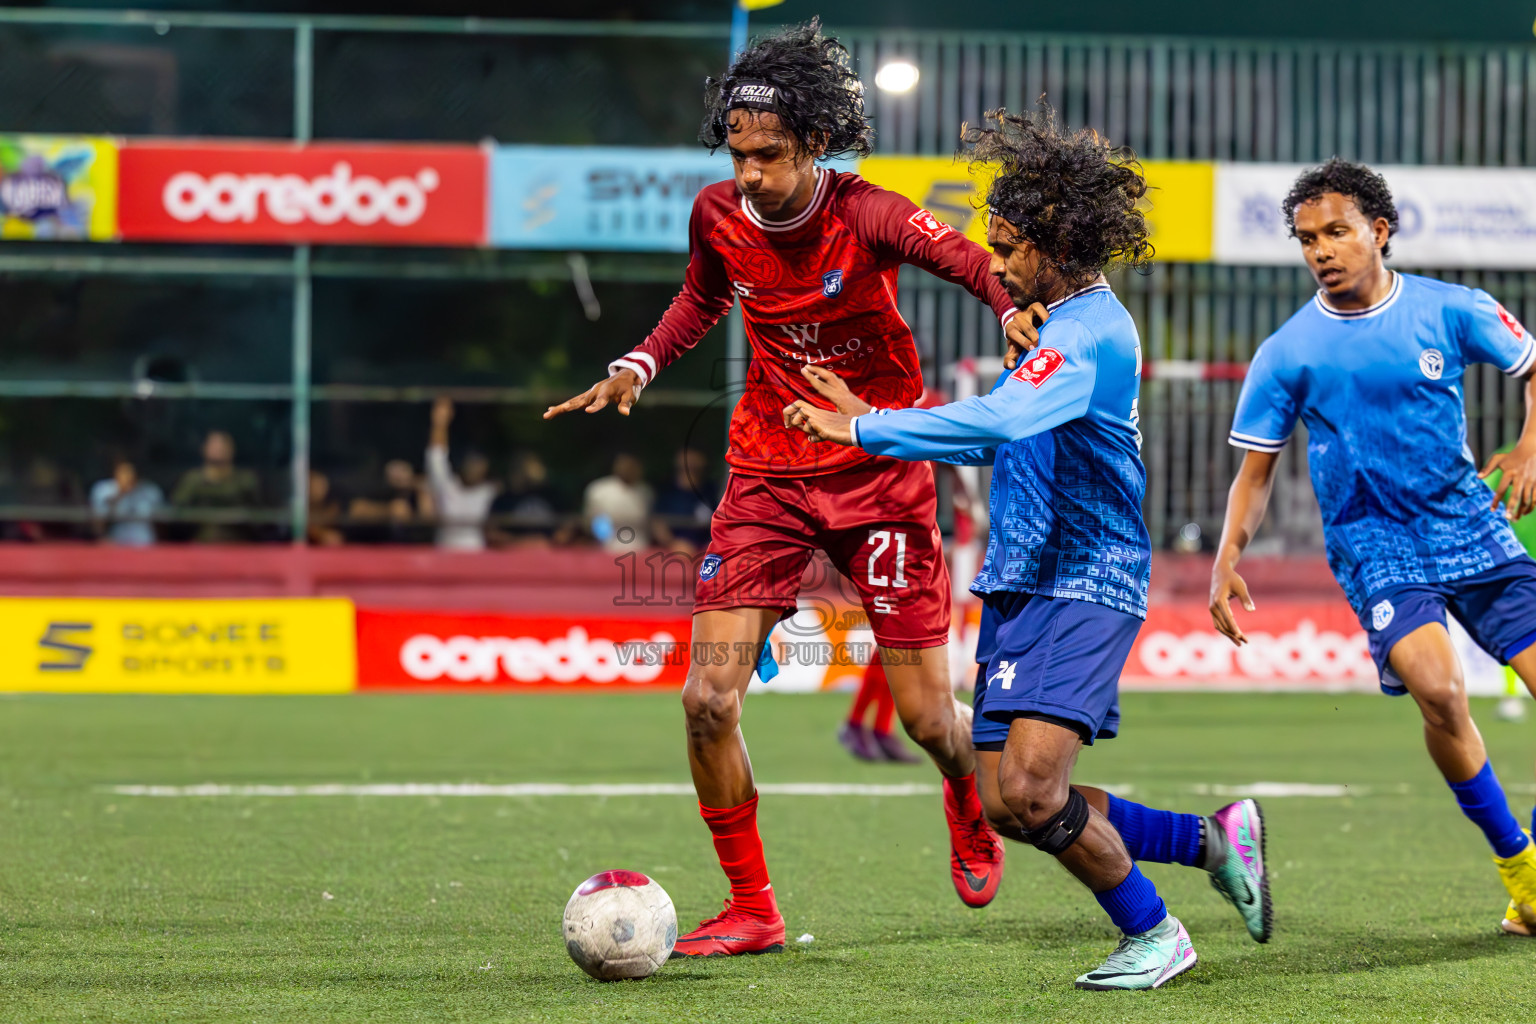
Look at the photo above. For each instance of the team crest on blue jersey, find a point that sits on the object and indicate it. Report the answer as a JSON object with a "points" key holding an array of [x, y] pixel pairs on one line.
{"points": [[1381, 615], [710, 567], [831, 283], [1432, 362]]}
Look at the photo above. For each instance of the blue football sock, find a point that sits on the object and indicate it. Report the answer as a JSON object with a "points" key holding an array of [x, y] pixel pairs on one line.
{"points": [[1159, 837], [1134, 904], [1482, 799]]}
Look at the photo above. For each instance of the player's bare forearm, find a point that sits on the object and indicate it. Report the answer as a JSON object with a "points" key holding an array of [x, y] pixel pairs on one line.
{"points": [[1515, 488], [1246, 502], [621, 389]]}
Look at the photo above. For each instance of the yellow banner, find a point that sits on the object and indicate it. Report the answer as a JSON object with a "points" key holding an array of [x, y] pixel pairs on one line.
{"points": [[91, 645], [1178, 210], [58, 187]]}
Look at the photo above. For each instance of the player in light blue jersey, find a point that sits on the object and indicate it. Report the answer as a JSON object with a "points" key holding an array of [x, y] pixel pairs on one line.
{"points": [[1068, 556], [1373, 366]]}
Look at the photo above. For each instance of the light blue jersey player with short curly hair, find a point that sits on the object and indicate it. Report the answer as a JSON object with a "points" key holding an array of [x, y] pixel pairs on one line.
{"points": [[1373, 367]]}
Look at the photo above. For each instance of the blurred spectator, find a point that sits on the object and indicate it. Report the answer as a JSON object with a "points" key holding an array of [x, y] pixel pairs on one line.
{"points": [[462, 501], [218, 484], [45, 485], [324, 512], [527, 496], [617, 508], [396, 512], [125, 506], [691, 495]]}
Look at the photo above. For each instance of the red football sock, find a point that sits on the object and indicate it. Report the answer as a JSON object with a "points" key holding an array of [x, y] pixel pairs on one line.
{"points": [[869, 691], [740, 850], [885, 707], [966, 798]]}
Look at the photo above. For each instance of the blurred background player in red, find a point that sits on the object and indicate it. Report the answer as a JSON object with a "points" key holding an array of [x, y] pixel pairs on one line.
{"points": [[813, 256], [876, 741]]}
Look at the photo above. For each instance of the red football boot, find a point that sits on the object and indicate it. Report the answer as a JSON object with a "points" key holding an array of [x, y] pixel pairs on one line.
{"points": [[975, 852], [732, 932]]}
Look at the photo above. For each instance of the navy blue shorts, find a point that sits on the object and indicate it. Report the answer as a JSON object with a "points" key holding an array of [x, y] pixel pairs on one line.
{"points": [[1056, 659], [1497, 608]]}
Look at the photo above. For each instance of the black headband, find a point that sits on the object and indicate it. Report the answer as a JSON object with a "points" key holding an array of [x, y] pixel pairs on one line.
{"points": [[756, 95]]}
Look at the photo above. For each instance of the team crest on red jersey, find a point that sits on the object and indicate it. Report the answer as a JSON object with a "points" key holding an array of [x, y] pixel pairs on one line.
{"points": [[929, 225], [1515, 327], [1038, 367]]}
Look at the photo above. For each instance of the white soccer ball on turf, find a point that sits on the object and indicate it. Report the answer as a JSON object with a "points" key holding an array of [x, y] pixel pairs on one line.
{"points": [[620, 924]]}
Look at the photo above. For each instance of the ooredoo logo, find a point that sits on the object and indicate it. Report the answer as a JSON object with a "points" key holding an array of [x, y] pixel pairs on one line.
{"points": [[575, 657], [290, 199], [279, 192]]}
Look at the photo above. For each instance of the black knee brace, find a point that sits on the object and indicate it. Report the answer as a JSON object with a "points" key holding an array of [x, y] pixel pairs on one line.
{"points": [[1063, 829]]}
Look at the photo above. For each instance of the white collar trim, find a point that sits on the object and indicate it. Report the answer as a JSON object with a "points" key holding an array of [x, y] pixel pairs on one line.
{"points": [[1100, 285], [1369, 311], [800, 219]]}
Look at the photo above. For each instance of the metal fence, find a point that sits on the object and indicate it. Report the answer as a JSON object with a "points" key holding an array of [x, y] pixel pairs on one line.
{"points": [[638, 84]]}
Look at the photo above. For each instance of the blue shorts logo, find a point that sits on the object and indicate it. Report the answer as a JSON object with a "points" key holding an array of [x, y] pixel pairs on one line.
{"points": [[831, 283], [710, 567], [1381, 615]]}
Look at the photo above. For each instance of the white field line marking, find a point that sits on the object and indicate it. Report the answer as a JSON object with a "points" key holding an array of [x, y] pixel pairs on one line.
{"points": [[560, 789], [518, 789]]}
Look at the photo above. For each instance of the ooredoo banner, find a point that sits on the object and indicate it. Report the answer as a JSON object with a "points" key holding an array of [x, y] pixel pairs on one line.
{"points": [[105, 645], [1316, 645], [414, 650], [293, 194]]}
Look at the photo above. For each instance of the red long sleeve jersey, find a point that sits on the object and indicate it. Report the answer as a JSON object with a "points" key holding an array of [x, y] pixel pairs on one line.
{"points": [[821, 289]]}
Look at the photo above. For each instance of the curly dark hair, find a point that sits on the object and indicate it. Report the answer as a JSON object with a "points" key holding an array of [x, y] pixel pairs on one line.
{"points": [[1367, 189], [1070, 193], [820, 99]]}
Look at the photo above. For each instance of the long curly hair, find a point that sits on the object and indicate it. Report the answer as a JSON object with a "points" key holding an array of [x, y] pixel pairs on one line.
{"points": [[1358, 182], [1069, 193], [820, 98]]}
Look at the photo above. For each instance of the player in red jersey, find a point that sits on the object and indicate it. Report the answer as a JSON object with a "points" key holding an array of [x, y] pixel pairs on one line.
{"points": [[812, 255]]}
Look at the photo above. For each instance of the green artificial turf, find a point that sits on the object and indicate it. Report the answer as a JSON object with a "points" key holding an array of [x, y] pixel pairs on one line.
{"points": [[317, 909]]}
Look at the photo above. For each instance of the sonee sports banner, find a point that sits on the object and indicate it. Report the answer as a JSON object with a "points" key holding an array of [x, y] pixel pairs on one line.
{"points": [[105, 645]]}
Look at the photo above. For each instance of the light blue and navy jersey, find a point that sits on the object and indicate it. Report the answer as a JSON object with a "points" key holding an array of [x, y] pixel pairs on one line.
{"points": [[1379, 390], [1061, 434]]}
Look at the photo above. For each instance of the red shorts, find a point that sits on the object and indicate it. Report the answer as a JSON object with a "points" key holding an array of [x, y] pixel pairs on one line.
{"points": [[877, 522]]}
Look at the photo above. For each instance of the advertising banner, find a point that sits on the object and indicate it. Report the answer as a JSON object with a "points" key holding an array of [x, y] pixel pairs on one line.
{"points": [[288, 193], [622, 198], [90, 645], [1297, 646], [598, 197], [58, 188], [416, 650], [1448, 216], [1178, 209]]}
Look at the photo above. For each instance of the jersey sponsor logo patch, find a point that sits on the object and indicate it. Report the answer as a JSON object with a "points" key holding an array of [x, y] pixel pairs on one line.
{"points": [[1038, 367], [709, 568], [1432, 362], [929, 225], [1515, 326], [1381, 616], [831, 283]]}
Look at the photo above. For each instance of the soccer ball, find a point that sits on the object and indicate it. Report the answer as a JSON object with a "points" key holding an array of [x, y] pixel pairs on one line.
{"points": [[620, 924]]}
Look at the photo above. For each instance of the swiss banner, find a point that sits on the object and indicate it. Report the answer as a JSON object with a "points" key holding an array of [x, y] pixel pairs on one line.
{"points": [[413, 650], [291, 193], [1304, 646]]}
